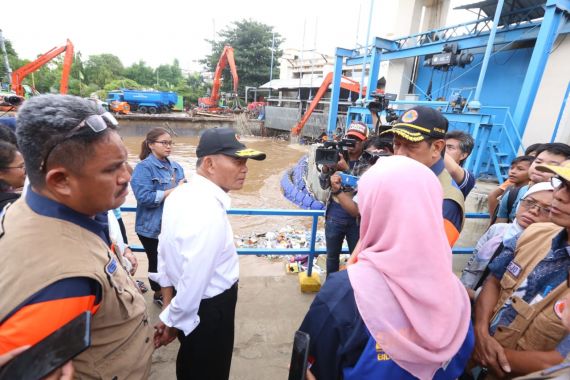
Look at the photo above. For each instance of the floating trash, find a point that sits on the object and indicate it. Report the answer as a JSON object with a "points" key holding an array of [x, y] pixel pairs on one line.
{"points": [[288, 237]]}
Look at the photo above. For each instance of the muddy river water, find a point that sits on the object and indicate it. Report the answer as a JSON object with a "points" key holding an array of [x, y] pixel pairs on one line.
{"points": [[261, 189]]}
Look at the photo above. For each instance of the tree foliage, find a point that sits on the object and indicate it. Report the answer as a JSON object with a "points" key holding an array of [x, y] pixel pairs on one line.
{"points": [[103, 68], [141, 73], [101, 73], [251, 41], [13, 61]]}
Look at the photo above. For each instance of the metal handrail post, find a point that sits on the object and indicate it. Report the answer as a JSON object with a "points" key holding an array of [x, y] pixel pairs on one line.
{"points": [[312, 246]]}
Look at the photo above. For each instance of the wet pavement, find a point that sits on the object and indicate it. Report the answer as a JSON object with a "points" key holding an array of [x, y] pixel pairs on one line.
{"points": [[270, 308]]}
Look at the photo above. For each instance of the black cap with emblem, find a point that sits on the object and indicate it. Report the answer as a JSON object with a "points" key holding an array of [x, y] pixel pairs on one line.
{"points": [[419, 123], [224, 141]]}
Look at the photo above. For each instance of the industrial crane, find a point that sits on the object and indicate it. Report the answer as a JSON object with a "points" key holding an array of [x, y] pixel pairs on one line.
{"points": [[346, 83], [19, 74], [210, 104]]}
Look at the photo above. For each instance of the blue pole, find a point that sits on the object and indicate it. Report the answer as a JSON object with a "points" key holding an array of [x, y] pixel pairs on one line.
{"points": [[335, 95], [475, 104], [544, 41], [373, 73], [562, 108], [365, 55], [312, 246]]}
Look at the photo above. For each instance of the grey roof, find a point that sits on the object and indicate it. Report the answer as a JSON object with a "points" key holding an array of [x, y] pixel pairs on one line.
{"points": [[488, 7]]}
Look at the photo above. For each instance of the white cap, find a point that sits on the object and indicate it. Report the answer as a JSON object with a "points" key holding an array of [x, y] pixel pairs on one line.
{"points": [[541, 186]]}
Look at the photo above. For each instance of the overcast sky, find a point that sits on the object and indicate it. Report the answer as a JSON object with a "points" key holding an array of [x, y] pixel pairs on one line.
{"points": [[160, 31]]}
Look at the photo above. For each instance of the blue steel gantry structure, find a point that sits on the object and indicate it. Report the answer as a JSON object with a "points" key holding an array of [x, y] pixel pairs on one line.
{"points": [[497, 129]]}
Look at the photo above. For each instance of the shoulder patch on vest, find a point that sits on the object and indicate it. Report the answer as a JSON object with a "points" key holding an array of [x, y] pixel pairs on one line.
{"points": [[514, 269], [111, 266], [559, 307]]}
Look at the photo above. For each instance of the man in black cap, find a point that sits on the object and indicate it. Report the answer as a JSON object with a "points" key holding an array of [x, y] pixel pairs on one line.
{"points": [[419, 133], [198, 266]]}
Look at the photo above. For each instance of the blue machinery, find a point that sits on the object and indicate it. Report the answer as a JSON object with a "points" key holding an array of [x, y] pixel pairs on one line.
{"points": [[311, 251], [496, 129]]}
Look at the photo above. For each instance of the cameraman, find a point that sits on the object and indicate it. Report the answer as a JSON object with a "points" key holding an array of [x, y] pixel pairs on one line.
{"points": [[374, 148], [340, 224]]}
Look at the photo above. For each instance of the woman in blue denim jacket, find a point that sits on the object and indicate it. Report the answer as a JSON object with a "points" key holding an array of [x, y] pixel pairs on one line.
{"points": [[154, 178]]}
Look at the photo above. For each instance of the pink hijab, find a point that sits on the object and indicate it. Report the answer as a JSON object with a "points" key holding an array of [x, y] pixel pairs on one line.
{"points": [[406, 292]]}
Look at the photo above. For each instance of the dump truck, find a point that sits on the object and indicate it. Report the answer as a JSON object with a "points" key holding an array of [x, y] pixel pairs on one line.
{"points": [[143, 101]]}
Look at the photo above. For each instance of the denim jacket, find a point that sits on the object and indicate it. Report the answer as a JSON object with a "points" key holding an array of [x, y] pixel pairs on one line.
{"points": [[151, 178]]}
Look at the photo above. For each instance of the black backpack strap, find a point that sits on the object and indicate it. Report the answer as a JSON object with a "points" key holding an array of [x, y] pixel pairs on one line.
{"points": [[493, 218], [513, 193], [487, 270]]}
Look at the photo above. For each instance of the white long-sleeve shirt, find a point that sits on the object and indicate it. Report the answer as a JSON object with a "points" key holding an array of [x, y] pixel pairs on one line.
{"points": [[196, 251]]}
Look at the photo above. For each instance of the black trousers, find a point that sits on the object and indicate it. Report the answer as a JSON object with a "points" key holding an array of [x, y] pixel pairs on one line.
{"points": [[150, 246], [206, 354]]}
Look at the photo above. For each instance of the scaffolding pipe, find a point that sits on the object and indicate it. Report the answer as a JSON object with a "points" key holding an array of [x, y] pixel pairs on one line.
{"points": [[6, 63], [272, 54], [475, 104], [365, 55]]}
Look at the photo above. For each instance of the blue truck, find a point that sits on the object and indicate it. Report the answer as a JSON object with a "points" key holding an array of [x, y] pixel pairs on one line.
{"points": [[144, 101]]}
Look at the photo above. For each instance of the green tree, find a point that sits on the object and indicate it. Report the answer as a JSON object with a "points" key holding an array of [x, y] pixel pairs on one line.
{"points": [[103, 68], [169, 76], [80, 88], [122, 83], [13, 61], [251, 41], [141, 73], [191, 88]]}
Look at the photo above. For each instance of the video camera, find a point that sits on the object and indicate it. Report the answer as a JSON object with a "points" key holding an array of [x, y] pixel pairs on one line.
{"points": [[380, 103], [371, 158], [328, 153]]}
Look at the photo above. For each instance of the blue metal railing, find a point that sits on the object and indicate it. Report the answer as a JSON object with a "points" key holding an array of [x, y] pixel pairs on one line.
{"points": [[311, 251]]}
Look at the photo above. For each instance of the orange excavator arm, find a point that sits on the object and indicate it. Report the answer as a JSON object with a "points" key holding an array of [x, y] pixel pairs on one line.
{"points": [[227, 57], [19, 74], [346, 83]]}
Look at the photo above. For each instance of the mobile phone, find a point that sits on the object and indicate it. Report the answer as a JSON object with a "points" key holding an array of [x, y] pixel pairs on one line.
{"points": [[348, 180], [300, 356], [52, 352]]}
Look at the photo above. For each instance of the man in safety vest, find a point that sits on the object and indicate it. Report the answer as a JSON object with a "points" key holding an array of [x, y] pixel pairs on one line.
{"points": [[419, 133], [518, 315]]}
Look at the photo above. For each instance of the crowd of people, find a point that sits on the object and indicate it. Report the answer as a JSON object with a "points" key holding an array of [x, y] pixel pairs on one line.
{"points": [[398, 311]]}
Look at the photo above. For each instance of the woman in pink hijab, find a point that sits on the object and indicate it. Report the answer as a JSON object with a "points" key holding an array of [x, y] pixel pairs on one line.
{"points": [[399, 312]]}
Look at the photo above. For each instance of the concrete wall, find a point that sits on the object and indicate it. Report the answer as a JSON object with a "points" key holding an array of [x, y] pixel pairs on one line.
{"points": [[139, 126], [549, 99], [284, 119]]}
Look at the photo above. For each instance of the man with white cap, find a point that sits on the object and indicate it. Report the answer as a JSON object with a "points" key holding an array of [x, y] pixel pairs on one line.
{"points": [[533, 208], [518, 324]]}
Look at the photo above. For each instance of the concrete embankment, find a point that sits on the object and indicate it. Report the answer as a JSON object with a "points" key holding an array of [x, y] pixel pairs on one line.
{"points": [[184, 125]]}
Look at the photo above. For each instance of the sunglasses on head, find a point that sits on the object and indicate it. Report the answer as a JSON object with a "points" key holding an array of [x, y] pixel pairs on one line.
{"points": [[97, 123]]}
